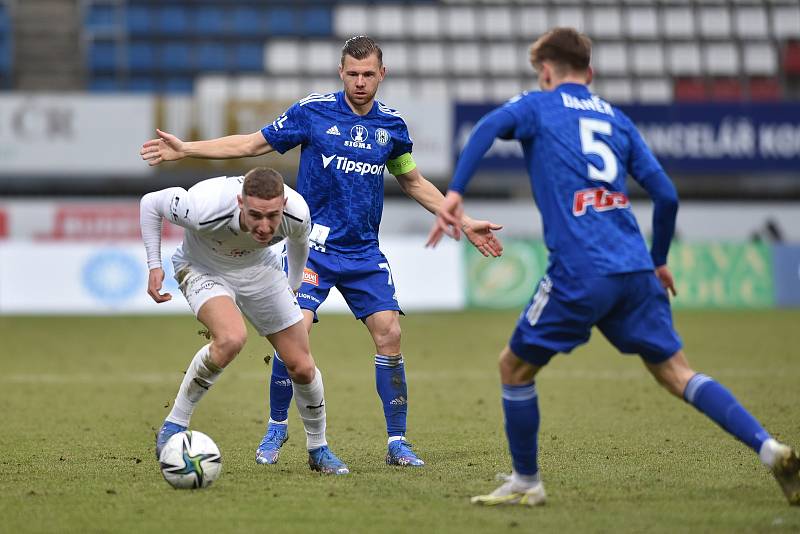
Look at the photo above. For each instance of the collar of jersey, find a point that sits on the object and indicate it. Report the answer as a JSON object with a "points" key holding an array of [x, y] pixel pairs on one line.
{"points": [[344, 107], [573, 88], [233, 224]]}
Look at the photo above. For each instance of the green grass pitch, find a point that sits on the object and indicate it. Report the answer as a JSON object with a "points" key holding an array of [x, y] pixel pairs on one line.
{"points": [[80, 400]]}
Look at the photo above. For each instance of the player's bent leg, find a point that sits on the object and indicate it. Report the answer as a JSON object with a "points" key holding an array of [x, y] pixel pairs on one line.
{"points": [[222, 318], [390, 383], [718, 403]]}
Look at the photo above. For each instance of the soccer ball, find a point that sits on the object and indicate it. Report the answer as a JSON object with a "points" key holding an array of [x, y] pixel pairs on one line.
{"points": [[190, 460]]}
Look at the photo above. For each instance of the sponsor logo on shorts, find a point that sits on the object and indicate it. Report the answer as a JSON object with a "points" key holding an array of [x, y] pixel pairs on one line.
{"points": [[310, 277], [308, 297], [206, 285]]}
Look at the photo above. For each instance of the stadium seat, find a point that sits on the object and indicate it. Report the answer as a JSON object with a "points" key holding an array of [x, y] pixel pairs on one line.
{"points": [[322, 57], [764, 89], [610, 58], [721, 59], [249, 88], [104, 84], [396, 89], [690, 90], [786, 21], [726, 90], [248, 57], [282, 21], [654, 91], [5, 25], [425, 21], [98, 17], [283, 56], [605, 22], [501, 89], [316, 21], [140, 20], [176, 56], [465, 58], [648, 59], [791, 58], [349, 20], [142, 56], [143, 84], [396, 58], [760, 59], [179, 84], [429, 58], [751, 22], [470, 90], [288, 89], [616, 91], [248, 21], [715, 22], [569, 16], [460, 21], [679, 22], [173, 21], [504, 58], [531, 22], [433, 89], [210, 21], [102, 56], [5, 55], [496, 22], [387, 21], [211, 56], [641, 22], [684, 59]]}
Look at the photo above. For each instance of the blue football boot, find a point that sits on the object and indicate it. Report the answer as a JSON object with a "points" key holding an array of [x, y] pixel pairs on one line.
{"points": [[323, 460], [168, 429], [270, 447], [400, 453]]}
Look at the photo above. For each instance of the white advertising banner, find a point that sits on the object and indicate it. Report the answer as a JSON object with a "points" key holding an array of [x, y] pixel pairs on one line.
{"points": [[108, 278], [65, 135], [430, 123]]}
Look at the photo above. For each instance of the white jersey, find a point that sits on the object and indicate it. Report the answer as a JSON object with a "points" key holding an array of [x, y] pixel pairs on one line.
{"points": [[209, 211]]}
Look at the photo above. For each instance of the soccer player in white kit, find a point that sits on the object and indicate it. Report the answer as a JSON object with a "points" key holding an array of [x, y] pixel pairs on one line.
{"points": [[225, 268]]}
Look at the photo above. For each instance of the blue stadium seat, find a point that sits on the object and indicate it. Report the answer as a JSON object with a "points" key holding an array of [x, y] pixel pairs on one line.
{"points": [[282, 21], [140, 20], [104, 84], [142, 56], [248, 21], [210, 21], [176, 56], [5, 23], [99, 17], [211, 56], [317, 21], [249, 57], [143, 84], [5, 55], [173, 21], [103, 56], [179, 84]]}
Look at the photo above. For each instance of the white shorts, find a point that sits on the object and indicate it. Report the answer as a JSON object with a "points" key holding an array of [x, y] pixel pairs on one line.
{"points": [[261, 293]]}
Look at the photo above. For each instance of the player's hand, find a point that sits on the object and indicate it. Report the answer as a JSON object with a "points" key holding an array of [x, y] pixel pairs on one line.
{"points": [[154, 282], [448, 219], [665, 277], [481, 235], [166, 148]]}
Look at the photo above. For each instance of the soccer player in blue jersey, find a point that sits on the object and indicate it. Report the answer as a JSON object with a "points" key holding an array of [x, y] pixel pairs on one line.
{"points": [[578, 150], [348, 139]]}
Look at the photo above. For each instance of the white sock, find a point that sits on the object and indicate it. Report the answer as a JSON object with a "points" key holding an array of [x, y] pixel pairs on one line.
{"points": [[274, 422], [201, 375], [772, 451], [310, 401], [525, 482]]}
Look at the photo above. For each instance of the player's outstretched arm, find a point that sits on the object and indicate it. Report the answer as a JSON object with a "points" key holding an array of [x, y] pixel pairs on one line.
{"points": [[481, 235], [168, 147]]}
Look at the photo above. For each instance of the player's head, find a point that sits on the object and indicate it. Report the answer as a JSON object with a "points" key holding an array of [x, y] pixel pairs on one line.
{"points": [[560, 55], [261, 203], [361, 69]]}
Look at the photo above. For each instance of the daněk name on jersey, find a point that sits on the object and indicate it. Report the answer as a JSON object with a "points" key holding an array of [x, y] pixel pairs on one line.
{"points": [[587, 104]]}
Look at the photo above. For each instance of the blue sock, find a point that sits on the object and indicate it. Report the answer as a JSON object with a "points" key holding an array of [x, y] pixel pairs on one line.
{"points": [[719, 404], [390, 381], [280, 390], [521, 409]]}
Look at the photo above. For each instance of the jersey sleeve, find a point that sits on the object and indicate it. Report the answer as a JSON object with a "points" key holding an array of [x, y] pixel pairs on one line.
{"points": [[168, 204], [526, 117], [288, 130], [297, 248], [402, 142]]}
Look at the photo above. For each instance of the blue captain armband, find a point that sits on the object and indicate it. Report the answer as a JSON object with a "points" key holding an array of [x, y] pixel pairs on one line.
{"points": [[401, 164]]}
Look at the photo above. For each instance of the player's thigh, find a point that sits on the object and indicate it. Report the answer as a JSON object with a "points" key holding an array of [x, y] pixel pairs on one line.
{"points": [[642, 321], [367, 285], [558, 318], [267, 301], [200, 284], [319, 276], [224, 322]]}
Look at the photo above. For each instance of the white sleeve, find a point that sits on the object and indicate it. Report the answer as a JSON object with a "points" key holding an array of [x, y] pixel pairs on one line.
{"points": [[153, 208], [297, 253]]}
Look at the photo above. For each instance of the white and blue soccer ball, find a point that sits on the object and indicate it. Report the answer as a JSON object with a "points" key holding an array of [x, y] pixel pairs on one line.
{"points": [[190, 460]]}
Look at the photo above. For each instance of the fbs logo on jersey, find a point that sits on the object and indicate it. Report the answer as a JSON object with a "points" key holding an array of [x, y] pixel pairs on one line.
{"points": [[347, 165], [310, 277], [333, 130], [359, 136], [599, 198]]}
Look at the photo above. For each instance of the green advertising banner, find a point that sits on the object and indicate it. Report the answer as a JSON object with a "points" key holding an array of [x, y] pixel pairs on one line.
{"points": [[507, 281], [707, 275]]}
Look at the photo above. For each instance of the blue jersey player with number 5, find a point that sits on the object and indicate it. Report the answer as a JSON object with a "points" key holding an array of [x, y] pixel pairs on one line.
{"points": [[578, 150], [348, 139]]}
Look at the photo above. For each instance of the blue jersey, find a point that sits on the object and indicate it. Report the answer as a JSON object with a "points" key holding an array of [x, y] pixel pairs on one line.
{"points": [[342, 162], [579, 150]]}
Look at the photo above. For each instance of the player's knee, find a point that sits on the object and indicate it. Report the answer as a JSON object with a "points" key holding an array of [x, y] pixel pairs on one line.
{"points": [[387, 338], [229, 344], [514, 370], [302, 371]]}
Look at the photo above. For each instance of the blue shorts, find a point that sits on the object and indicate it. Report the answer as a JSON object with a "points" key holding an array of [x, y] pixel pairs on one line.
{"points": [[365, 283], [631, 310]]}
